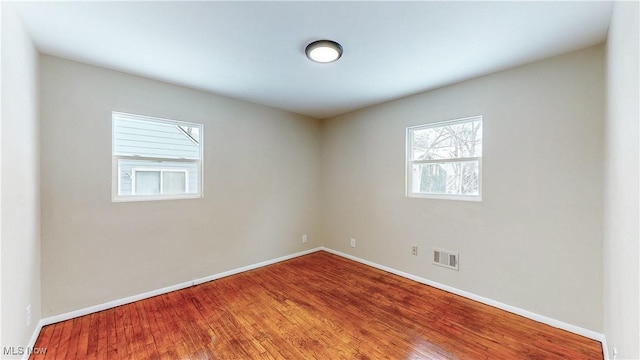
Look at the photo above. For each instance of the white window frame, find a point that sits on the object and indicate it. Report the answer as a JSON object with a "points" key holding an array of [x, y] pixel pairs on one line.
{"points": [[409, 163], [161, 170], [117, 176]]}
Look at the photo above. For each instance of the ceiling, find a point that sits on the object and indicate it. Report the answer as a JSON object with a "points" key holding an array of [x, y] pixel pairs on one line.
{"points": [[254, 51]]}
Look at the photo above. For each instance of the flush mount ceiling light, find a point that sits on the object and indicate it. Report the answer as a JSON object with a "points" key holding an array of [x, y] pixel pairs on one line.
{"points": [[324, 51]]}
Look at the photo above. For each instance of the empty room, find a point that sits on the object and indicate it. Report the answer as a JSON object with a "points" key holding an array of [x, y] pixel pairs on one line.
{"points": [[320, 180]]}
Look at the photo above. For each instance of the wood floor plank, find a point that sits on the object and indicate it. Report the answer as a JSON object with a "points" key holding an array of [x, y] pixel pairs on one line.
{"points": [[83, 337], [66, 340], [98, 344], [318, 306], [56, 340], [121, 340], [93, 336], [112, 335]]}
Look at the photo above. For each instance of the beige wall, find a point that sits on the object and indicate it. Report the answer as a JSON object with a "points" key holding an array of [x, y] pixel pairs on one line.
{"points": [[20, 204], [260, 186], [535, 240], [621, 207]]}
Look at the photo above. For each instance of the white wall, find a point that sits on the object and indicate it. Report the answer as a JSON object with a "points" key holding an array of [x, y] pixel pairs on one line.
{"points": [[621, 205], [20, 204], [260, 187], [535, 240]]}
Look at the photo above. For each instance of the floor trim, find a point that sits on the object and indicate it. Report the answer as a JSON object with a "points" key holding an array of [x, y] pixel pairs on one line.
{"points": [[512, 309], [502, 306], [111, 304]]}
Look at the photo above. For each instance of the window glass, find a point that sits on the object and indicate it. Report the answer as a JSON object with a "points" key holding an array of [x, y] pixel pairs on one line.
{"points": [[147, 182], [174, 182], [444, 160]]}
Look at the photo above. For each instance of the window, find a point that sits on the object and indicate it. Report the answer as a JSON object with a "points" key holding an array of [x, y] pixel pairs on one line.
{"points": [[159, 181], [444, 160], [155, 159]]}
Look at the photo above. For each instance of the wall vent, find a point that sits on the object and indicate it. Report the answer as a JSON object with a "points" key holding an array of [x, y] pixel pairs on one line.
{"points": [[446, 258]]}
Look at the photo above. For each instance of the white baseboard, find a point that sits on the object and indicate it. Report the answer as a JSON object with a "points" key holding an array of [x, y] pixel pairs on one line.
{"points": [[254, 266], [512, 309], [502, 306], [111, 304]]}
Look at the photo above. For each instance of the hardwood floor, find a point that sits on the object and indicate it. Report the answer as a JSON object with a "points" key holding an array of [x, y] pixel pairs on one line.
{"points": [[318, 306]]}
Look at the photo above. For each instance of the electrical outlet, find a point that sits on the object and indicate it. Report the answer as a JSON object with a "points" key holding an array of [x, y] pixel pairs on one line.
{"points": [[414, 250], [353, 242], [305, 238], [615, 353], [28, 314]]}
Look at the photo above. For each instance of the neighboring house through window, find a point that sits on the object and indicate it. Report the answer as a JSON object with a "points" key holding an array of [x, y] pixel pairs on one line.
{"points": [[444, 160], [155, 159]]}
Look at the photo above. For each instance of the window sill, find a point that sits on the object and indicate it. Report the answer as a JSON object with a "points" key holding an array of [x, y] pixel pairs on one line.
{"points": [[118, 199], [472, 198]]}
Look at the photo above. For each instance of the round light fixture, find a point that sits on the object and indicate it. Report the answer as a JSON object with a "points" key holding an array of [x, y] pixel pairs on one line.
{"points": [[324, 51]]}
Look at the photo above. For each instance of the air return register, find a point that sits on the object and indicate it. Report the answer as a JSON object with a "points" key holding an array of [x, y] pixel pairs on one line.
{"points": [[445, 258]]}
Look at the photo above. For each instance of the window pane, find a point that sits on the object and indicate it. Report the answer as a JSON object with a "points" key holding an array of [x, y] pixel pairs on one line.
{"points": [[147, 182], [451, 178], [174, 182], [160, 139], [187, 169], [447, 142]]}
